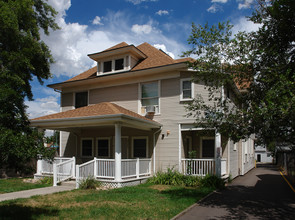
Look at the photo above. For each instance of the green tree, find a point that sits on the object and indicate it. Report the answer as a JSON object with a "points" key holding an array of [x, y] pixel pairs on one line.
{"points": [[22, 56], [260, 64]]}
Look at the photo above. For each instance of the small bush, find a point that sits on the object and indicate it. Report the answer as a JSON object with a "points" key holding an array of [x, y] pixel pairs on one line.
{"points": [[174, 178], [46, 180], [212, 181], [89, 183]]}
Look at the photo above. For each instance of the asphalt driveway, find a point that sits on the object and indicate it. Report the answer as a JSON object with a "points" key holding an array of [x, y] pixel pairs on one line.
{"points": [[260, 194]]}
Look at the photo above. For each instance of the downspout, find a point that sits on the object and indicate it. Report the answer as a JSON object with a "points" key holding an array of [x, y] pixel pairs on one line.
{"points": [[154, 150]]}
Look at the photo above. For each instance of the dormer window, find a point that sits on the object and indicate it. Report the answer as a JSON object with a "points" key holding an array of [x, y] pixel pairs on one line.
{"points": [[119, 64], [107, 66]]}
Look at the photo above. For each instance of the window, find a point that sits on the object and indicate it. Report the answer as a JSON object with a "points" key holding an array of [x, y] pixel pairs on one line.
{"points": [[208, 146], [103, 147], [119, 64], [150, 96], [86, 147], [81, 99], [140, 147], [186, 87], [107, 66]]}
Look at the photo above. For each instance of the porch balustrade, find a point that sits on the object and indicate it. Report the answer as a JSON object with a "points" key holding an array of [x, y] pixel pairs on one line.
{"points": [[63, 171], [45, 167], [198, 167]]}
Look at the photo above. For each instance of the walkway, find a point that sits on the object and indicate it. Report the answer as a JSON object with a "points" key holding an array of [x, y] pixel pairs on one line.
{"points": [[35, 192], [260, 194]]}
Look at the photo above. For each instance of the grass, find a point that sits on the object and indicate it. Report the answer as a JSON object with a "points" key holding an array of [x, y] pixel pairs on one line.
{"points": [[17, 184], [146, 201]]}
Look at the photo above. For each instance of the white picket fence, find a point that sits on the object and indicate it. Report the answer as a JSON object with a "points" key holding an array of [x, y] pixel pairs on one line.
{"points": [[45, 167], [105, 169]]}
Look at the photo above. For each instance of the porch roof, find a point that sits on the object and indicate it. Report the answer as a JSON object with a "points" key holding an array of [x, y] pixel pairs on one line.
{"points": [[100, 114]]}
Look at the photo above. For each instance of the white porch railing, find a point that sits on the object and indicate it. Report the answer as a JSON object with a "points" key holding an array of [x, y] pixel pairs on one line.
{"points": [[105, 169], [63, 171], [223, 166], [198, 167], [46, 166]]}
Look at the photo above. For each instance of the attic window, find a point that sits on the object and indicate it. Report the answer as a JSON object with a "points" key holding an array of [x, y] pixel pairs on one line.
{"points": [[119, 64], [107, 66]]}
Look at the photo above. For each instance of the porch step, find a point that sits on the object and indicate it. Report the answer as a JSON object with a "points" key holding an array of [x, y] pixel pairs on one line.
{"points": [[69, 183]]}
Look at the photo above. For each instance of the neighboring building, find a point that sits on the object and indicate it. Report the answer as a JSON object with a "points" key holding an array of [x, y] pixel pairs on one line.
{"points": [[263, 155], [132, 105]]}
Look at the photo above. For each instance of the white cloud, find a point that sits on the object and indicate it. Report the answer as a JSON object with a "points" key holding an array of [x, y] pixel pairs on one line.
{"points": [[42, 106], [246, 4], [97, 21], [162, 12], [219, 1], [243, 24], [163, 48], [136, 2], [214, 8], [142, 29]]}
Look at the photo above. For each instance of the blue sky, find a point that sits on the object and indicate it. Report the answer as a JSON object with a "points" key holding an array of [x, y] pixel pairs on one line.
{"points": [[89, 26]]}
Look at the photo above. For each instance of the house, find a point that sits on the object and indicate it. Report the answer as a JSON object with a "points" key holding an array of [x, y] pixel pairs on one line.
{"points": [[124, 119], [263, 155]]}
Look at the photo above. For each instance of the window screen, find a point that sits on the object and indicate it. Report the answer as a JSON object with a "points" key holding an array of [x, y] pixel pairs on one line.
{"points": [[81, 99], [87, 147], [107, 66], [139, 147], [103, 147], [119, 64]]}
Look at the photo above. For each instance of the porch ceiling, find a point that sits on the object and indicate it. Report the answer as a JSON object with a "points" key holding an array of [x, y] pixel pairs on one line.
{"points": [[102, 114]]}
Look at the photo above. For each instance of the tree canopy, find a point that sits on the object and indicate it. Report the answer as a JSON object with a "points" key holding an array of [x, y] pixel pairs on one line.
{"points": [[257, 67], [22, 56]]}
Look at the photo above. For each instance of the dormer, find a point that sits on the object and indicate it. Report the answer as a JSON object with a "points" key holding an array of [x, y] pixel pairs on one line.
{"points": [[120, 58]]}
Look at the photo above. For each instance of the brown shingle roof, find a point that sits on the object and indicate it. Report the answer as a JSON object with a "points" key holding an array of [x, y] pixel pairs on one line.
{"points": [[104, 108], [155, 58]]}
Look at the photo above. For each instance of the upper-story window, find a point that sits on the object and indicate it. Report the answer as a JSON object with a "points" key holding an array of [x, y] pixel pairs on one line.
{"points": [[107, 66], [81, 99], [119, 64], [150, 97], [186, 89]]}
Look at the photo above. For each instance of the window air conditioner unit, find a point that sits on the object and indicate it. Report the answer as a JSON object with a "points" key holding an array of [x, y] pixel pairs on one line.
{"points": [[150, 109]]}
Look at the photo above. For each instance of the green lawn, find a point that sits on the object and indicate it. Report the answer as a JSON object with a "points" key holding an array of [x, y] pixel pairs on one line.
{"points": [[145, 201], [17, 184]]}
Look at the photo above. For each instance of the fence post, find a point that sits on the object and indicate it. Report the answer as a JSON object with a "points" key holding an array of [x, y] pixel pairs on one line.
{"points": [[54, 174], [150, 167], [39, 166], [137, 168], [95, 168], [74, 166], [77, 177]]}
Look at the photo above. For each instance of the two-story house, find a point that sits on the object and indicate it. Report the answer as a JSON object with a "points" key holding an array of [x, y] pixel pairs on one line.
{"points": [[124, 119]]}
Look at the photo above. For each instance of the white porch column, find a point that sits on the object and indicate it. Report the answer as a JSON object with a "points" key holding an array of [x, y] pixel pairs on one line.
{"points": [[118, 176], [218, 150]]}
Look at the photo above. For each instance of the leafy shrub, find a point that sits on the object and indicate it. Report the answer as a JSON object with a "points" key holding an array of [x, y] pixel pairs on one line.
{"points": [[212, 181], [174, 178], [89, 183], [46, 180]]}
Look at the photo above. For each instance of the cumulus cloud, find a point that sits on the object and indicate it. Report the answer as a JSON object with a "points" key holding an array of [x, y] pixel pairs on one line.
{"points": [[97, 21], [243, 24], [43, 106], [136, 2], [162, 12], [214, 8], [163, 48], [142, 29], [246, 4]]}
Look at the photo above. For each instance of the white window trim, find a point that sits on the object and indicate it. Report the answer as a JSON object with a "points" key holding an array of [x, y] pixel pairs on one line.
{"points": [[81, 147], [192, 89], [201, 148], [126, 65], [109, 146], [132, 145], [140, 97]]}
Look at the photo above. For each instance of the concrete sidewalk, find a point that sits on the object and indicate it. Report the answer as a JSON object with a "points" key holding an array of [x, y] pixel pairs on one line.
{"points": [[35, 192], [260, 194]]}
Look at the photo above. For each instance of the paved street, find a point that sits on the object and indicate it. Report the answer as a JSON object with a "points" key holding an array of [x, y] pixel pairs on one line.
{"points": [[260, 194]]}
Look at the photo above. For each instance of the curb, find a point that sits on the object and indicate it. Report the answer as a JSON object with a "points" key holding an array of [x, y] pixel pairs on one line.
{"points": [[193, 205]]}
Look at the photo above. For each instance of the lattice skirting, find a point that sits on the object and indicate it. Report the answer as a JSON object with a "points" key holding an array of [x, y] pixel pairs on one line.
{"points": [[122, 184]]}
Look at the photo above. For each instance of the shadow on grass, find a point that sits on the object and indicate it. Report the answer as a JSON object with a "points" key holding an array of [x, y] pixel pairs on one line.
{"points": [[14, 211], [194, 194]]}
